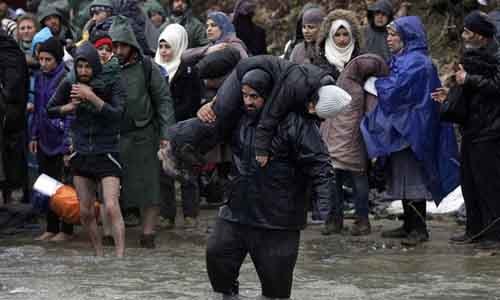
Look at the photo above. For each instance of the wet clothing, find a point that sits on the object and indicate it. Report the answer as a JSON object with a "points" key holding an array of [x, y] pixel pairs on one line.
{"points": [[66, 32], [93, 131], [360, 189], [406, 116], [273, 197], [251, 34], [376, 37], [273, 252], [479, 124], [294, 85], [14, 85], [195, 29], [303, 53], [148, 113], [96, 166], [342, 133], [190, 193], [52, 134]]}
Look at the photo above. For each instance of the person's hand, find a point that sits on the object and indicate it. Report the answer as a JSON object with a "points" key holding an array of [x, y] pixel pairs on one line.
{"points": [[262, 160], [66, 159], [206, 113], [440, 94], [70, 107], [460, 75], [216, 48], [33, 147], [30, 107], [82, 91]]}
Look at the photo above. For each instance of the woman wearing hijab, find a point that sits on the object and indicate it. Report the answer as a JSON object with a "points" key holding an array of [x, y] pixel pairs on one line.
{"points": [[339, 41], [185, 87], [311, 23]]}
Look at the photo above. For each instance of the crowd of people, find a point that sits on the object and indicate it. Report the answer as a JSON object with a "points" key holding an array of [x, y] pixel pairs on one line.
{"points": [[124, 99]]}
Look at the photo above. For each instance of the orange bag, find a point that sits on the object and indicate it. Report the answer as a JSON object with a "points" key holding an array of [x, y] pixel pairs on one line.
{"points": [[64, 203]]}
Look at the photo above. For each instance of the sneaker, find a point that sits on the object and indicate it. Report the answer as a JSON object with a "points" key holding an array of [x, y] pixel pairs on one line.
{"points": [[190, 222], [415, 238], [398, 233], [147, 241], [333, 226], [361, 227]]}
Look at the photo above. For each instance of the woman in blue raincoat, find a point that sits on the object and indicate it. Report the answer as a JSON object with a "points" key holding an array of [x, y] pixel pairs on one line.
{"points": [[405, 128]]}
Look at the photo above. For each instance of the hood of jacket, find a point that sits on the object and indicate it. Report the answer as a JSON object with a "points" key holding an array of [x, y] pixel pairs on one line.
{"points": [[340, 14], [107, 3], [40, 37], [153, 6], [384, 6], [412, 33], [121, 32], [50, 11], [88, 53]]}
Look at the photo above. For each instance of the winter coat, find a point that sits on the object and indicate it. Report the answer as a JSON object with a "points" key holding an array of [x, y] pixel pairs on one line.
{"points": [[319, 58], [195, 29], [274, 197], [294, 86], [66, 32], [342, 134], [186, 92], [93, 131], [376, 37], [251, 34], [146, 101], [14, 85], [479, 95], [303, 53], [52, 135], [298, 35], [406, 116]]}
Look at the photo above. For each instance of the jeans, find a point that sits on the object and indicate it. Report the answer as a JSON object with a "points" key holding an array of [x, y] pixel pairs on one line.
{"points": [[273, 252], [359, 181]]}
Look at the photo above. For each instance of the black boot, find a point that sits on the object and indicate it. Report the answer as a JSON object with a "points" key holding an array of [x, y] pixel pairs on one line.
{"points": [[147, 241], [403, 231], [333, 225], [418, 225]]}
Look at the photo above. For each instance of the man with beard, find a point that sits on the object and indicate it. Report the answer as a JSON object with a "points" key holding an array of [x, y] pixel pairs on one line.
{"points": [[266, 209], [52, 18], [97, 101], [181, 13], [475, 99], [148, 113]]}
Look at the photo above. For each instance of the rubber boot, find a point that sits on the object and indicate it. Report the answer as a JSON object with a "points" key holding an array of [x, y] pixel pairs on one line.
{"points": [[361, 227], [333, 225], [403, 231], [418, 227]]}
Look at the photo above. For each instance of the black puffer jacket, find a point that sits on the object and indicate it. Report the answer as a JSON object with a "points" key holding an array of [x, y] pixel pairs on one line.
{"points": [[274, 197], [481, 94], [294, 86], [186, 92], [94, 132]]}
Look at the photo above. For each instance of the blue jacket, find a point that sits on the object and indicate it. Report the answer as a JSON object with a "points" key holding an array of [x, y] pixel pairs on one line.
{"points": [[406, 116]]}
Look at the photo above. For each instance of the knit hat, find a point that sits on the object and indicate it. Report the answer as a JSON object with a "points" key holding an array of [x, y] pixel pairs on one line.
{"points": [[54, 47], [479, 23], [260, 81], [103, 40], [313, 16], [332, 100]]}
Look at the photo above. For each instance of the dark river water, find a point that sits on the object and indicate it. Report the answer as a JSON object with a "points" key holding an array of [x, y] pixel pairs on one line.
{"points": [[328, 268]]}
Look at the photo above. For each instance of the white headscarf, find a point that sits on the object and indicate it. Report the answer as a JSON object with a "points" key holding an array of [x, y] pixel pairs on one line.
{"points": [[176, 36], [335, 55]]}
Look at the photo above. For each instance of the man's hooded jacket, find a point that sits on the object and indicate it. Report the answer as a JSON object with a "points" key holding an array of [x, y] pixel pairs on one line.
{"points": [[94, 132], [406, 116], [376, 37], [195, 29]]}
